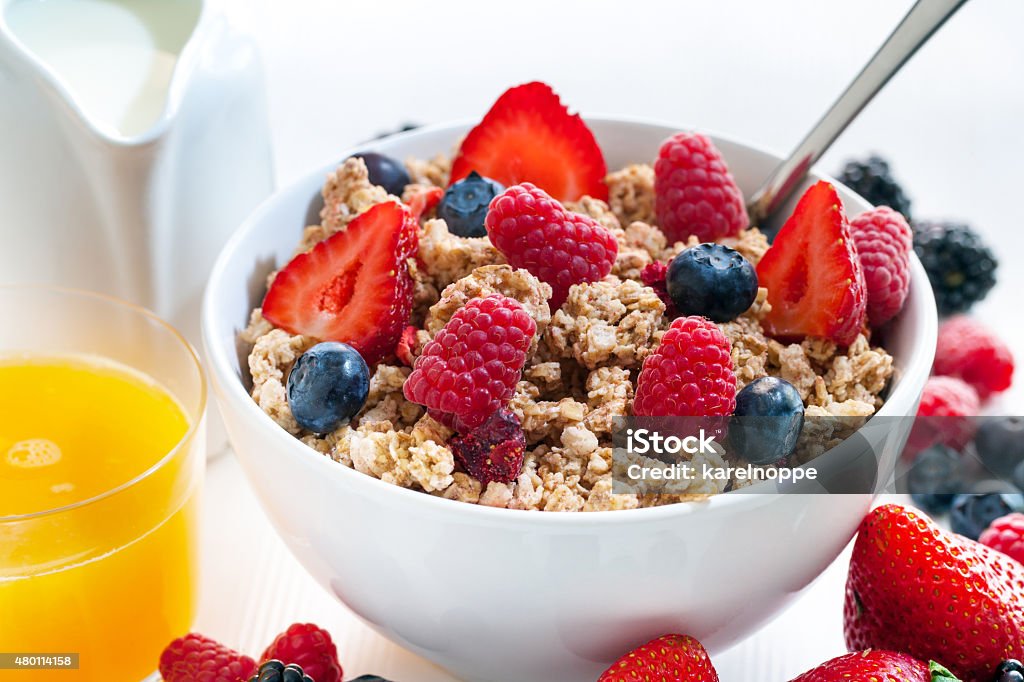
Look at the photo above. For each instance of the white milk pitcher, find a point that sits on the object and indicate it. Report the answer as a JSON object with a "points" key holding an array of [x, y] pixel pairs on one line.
{"points": [[133, 139]]}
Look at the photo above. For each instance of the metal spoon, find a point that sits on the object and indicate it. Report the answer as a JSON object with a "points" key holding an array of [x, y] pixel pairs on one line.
{"points": [[923, 19]]}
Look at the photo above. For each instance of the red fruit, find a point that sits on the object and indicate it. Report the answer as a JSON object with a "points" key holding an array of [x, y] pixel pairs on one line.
{"points": [[694, 192], [407, 346], [1006, 535], [670, 657], [494, 450], [877, 666], [948, 397], [308, 647], [471, 368], [653, 275], [967, 349], [883, 240], [195, 658], [529, 136], [814, 278], [947, 405], [424, 200], [353, 286], [916, 588], [562, 248], [690, 374]]}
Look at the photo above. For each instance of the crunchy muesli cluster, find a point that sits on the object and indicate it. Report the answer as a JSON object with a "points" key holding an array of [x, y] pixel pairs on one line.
{"points": [[582, 366]]}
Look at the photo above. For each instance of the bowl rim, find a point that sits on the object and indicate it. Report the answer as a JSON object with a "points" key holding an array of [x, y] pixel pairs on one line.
{"points": [[233, 396]]}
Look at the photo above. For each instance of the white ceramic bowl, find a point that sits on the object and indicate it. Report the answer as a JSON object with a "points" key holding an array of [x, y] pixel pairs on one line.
{"points": [[496, 594]]}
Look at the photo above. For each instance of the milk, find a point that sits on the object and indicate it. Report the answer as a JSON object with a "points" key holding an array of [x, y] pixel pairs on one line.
{"points": [[115, 57]]}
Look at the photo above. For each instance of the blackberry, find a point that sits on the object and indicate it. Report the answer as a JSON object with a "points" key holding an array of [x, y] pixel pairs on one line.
{"points": [[276, 671], [1009, 671], [872, 180], [960, 266]]}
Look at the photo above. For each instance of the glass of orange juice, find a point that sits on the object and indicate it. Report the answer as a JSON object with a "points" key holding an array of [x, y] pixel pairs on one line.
{"points": [[101, 461]]}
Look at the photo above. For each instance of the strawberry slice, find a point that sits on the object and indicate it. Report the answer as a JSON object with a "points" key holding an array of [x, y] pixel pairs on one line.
{"points": [[529, 136], [353, 286], [423, 200], [814, 278]]}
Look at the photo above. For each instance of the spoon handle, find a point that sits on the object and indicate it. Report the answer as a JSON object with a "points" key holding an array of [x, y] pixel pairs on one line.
{"points": [[923, 19]]}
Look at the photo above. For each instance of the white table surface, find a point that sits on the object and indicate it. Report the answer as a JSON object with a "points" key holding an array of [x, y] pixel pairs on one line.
{"points": [[338, 72]]}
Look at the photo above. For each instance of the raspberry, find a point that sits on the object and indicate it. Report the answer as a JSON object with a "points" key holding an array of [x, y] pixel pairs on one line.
{"points": [[694, 192], [195, 658], [948, 397], [494, 450], [562, 248], [309, 647], [406, 350], [944, 404], [1006, 535], [968, 350], [472, 366], [653, 275], [690, 374], [883, 240]]}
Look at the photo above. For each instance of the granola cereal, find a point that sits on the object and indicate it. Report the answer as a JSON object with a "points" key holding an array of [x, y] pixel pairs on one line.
{"points": [[631, 194], [581, 372], [612, 322]]}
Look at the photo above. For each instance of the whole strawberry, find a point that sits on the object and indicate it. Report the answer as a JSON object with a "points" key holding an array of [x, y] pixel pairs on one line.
{"points": [[535, 232], [690, 374], [471, 367], [694, 192], [678, 658], [876, 665], [969, 350], [195, 658], [884, 241], [1006, 535], [309, 647], [916, 588]]}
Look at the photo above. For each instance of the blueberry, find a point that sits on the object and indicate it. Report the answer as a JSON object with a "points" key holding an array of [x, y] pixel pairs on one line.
{"points": [[1000, 444], [1010, 670], [385, 171], [369, 678], [327, 386], [972, 513], [1018, 476], [713, 281], [404, 128], [934, 478], [464, 205], [768, 418]]}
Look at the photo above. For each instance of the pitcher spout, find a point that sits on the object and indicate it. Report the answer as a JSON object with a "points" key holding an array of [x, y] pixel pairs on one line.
{"points": [[119, 66]]}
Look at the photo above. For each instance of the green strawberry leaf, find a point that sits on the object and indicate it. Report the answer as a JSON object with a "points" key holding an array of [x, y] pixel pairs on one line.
{"points": [[940, 674]]}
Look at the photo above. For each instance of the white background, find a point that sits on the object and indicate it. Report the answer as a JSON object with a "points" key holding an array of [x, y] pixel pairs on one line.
{"points": [[339, 72]]}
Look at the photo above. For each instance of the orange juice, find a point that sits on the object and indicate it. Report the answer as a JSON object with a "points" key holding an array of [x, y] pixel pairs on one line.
{"points": [[98, 516]]}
